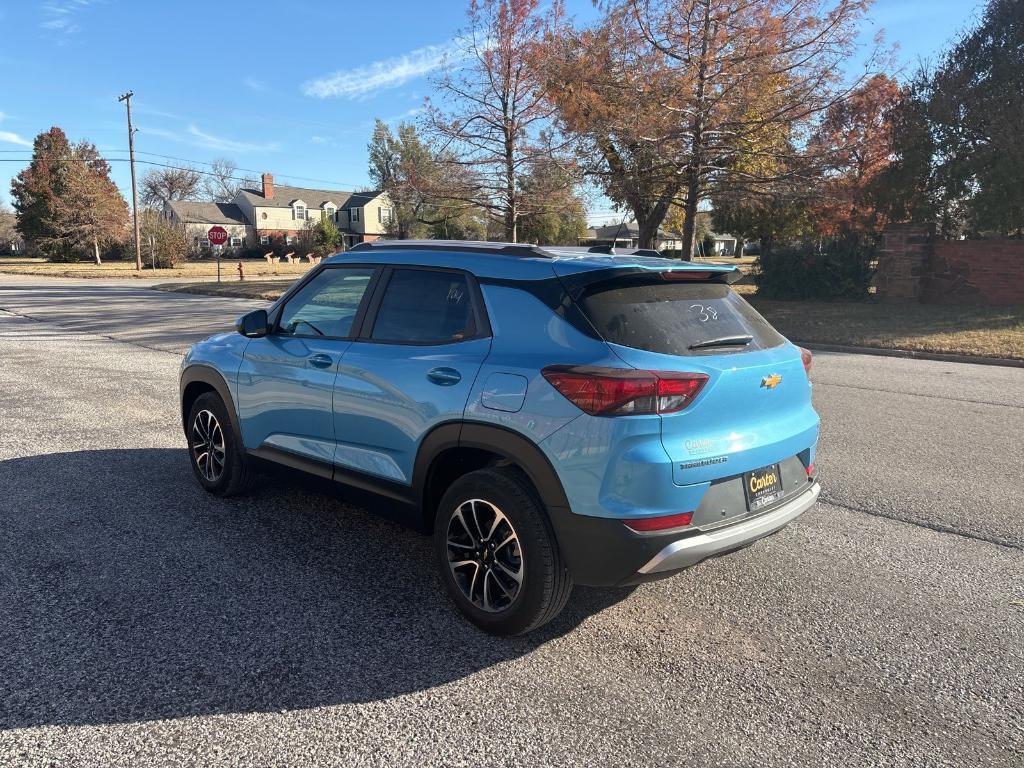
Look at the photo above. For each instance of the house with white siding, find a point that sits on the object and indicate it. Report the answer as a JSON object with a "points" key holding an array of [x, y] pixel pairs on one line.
{"points": [[273, 214], [197, 218], [283, 212]]}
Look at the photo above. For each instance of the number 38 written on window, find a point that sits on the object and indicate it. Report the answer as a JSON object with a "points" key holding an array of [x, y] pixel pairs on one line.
{"points": [[704, 313]]}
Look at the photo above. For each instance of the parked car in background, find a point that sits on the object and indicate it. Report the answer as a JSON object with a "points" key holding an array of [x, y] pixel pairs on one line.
{"points": [[552, 416]]}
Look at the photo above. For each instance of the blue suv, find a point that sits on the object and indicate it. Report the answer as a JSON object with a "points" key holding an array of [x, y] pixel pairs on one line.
{"points": [[553, 416]]}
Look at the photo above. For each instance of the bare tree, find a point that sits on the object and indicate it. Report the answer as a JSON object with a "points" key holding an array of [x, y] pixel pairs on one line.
{"points": [[164, 185], [223, 180], [8, 230], [494, 123]]}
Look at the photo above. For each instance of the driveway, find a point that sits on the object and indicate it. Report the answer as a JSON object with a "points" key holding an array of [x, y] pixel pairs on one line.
{"points": [[144, 622]]}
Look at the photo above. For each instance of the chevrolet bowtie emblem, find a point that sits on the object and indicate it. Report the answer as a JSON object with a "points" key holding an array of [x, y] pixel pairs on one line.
{"points": [[771, 381]]}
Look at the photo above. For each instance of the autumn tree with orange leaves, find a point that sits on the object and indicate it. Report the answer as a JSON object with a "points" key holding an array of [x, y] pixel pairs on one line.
{"points": [[855, 138], [671, 98]]}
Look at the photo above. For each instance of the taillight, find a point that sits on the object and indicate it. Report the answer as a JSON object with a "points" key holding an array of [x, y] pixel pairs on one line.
{"points": [[810, 469], [806, 357], [623, 391], [663, 523]]}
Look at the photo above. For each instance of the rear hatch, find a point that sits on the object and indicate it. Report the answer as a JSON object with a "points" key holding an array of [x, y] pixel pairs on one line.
{"points": [[755, 408]]}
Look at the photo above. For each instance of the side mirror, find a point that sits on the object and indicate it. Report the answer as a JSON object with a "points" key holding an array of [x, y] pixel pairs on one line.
{"points": [[253, 325]]}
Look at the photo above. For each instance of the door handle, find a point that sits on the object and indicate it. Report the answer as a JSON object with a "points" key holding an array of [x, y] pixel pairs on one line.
{"points": [[444, 377], [321, 361]]}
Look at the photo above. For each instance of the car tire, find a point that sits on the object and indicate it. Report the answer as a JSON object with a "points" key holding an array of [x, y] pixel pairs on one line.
{"points": [[491, 528], [214, 450]]}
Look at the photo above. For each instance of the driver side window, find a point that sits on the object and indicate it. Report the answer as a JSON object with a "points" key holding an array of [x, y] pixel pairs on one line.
{"points": [[327, 304]]}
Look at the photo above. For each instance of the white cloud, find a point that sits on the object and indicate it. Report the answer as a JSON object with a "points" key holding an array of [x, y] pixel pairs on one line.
{"points": [[59, 16], [230, 145], [362, 82], [253, 84], [13, 138], [196, 137], [404, 116]]}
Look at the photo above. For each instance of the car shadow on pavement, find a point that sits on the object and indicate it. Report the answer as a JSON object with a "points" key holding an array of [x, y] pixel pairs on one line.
{"points": [[128, 594]]}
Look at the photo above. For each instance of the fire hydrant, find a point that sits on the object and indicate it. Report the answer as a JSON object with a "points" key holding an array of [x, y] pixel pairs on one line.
{"points": [[241, 271]]}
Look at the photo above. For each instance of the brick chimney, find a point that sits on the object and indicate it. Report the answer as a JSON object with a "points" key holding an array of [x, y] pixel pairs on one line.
{"points": [[268, 186]]}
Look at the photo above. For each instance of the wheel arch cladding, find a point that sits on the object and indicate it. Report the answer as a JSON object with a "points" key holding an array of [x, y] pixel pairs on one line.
{"points": [[486, 439], [197, 379]]}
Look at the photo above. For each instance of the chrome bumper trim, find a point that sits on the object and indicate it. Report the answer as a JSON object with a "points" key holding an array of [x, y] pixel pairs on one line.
{"points": [[690, 551]]}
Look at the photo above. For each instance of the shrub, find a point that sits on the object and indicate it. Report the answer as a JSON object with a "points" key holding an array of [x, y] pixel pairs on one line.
{"points": [[119, 251], [162, 242], [836, 268]]}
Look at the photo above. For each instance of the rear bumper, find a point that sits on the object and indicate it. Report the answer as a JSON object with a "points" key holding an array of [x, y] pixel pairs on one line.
{"points": [[603, 552], [690, 551]]}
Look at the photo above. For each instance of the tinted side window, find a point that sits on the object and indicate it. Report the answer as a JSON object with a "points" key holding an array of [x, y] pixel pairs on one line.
{"points": [[675, 318], [425, 306], [327, 304]]}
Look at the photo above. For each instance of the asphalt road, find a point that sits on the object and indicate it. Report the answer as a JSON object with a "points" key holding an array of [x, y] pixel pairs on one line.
{"points": [[143, 622]]}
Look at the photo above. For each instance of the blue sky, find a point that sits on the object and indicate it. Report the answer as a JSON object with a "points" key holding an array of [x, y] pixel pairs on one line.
{"points": [[292, 88]]}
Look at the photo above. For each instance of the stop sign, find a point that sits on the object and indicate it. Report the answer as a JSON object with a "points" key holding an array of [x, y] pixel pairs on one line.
{"points": [[217, 235]]}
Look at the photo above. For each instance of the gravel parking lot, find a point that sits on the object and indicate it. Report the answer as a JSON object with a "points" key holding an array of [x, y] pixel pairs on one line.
{"points": [[143, 622]]}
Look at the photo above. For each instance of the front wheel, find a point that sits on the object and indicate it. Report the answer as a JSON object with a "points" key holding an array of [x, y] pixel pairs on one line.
{"points": [[216, 454], [498, 557]]}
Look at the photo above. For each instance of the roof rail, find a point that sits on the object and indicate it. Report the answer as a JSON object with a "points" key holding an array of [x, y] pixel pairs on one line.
{"points": [[467, 246], [616, 251], [605, 250]]}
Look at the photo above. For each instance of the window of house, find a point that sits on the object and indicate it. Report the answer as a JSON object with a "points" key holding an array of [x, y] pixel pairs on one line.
{"points": [[356, 212], [327, 304], [264, 239], [236, 242], [329, 211], [300, 211], [425, 306], [383, 215]]}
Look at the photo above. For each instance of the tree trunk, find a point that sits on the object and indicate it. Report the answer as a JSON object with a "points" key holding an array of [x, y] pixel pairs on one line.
{"points": [[739, 246], [693, 168], [96, 250], [690, 222], [647, 224]]}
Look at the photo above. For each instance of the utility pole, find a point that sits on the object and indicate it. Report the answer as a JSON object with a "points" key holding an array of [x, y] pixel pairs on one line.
{"points": [[127, 99]]}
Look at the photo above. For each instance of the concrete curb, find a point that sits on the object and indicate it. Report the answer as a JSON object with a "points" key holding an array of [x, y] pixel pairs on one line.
{"points": [[910, 353]]}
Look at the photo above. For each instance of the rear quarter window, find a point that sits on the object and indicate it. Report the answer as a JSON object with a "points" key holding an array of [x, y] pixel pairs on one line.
{"points": [[671, 318]]}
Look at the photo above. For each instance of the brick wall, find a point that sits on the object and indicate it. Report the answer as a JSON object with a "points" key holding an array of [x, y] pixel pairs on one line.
{"points": [[976, 272], [915, 267], [901, 262]]}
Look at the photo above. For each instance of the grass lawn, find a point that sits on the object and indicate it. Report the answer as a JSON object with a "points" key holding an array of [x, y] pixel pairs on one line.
{"points": [[126, 269], [961, 330], [953, 329], [265, 290]]}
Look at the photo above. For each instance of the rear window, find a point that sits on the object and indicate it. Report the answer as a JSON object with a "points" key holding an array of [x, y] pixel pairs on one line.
{"points": [[425, 306], [676, 318]]}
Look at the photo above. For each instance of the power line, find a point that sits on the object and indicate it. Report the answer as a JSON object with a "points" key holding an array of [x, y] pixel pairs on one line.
{"points": [[188, 168]]}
